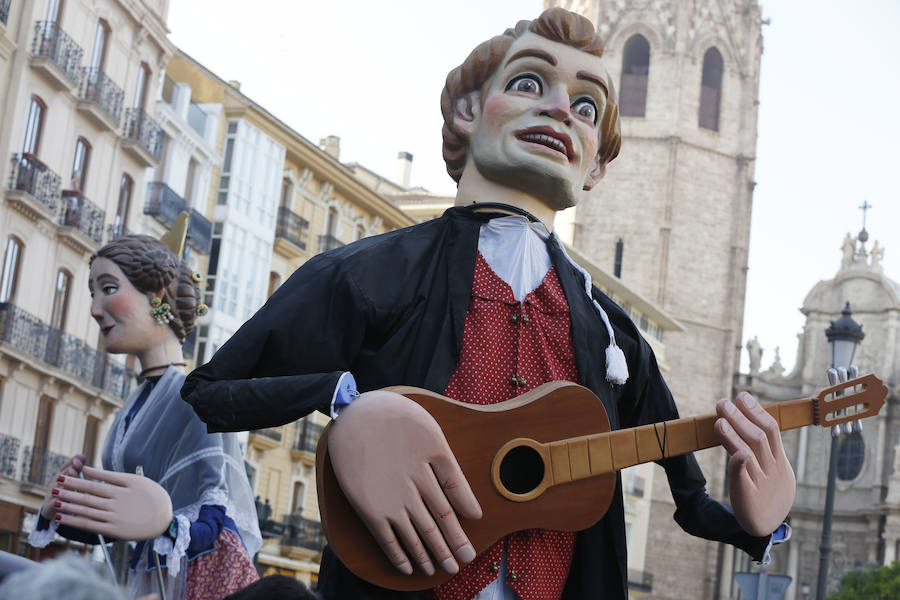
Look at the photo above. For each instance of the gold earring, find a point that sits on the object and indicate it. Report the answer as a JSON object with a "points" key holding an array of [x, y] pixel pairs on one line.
{"points": [[162, 312]]}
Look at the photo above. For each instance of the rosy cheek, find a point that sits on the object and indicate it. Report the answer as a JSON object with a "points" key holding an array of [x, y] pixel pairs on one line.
{"points": [[117, 305], [497, 109]]}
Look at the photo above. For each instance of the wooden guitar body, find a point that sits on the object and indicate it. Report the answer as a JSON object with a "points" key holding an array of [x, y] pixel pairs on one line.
{"points": [[476, 433]]}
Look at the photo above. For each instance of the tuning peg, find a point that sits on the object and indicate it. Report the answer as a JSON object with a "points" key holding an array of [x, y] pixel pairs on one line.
{"points": [[833, 380], [857, 426]]}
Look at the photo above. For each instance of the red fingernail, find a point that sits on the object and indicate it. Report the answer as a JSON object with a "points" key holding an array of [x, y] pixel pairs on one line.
{"points": [[61, 479], [57, 504], [58, 518], [55, 492]]}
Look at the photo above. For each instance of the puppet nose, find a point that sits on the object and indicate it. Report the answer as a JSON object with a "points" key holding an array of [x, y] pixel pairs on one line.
{"points": [[555, 104]]}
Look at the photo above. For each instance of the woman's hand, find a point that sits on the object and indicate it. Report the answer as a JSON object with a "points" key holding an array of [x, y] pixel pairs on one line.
{"points": [[71, 469], [119, 505]]}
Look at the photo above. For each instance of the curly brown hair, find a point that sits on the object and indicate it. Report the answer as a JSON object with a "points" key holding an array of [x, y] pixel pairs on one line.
{"points": [[151, 266], [555, 24]]}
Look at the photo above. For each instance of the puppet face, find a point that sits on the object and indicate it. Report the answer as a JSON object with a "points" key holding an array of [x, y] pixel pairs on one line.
{"points": [[537, 127], [121, 311]]}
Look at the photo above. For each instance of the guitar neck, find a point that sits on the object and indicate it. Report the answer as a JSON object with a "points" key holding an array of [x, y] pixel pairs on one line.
{"points": [[586, 456]]}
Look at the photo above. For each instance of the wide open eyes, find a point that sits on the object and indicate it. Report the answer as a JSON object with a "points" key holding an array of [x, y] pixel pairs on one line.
{"points": [[525, 83], [586, 109]]}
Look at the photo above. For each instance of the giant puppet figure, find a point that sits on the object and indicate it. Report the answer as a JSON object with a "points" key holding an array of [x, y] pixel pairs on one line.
{"points": [[482, 305]]}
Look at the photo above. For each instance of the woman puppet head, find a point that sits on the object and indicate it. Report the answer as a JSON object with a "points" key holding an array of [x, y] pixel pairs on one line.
{"points": [[151, 267]]}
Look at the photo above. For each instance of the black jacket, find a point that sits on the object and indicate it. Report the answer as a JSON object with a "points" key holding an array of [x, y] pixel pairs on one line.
{"points": [[391, 309]]}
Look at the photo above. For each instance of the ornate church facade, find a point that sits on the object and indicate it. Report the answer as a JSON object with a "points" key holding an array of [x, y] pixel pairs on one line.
{"points": [[672, 219], [866, 522]]}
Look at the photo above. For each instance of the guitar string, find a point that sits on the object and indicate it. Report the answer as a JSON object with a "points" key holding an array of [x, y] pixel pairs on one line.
{"points": [[662, 443]]}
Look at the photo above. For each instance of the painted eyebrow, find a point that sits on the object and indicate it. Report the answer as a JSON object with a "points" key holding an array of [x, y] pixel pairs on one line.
{"points": [[588, 76], [107, 277], [535, 52]]}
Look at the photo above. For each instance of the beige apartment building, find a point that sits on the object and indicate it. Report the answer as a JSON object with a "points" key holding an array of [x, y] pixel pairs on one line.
{"points": [[304, 202], [78, 135]]}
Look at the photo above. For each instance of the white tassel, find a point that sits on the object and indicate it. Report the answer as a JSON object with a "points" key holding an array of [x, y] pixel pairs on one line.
{"points": [[616, 365]]}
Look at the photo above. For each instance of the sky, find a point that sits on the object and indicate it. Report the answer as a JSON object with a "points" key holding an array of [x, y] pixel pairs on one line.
{"points": [[371, 73]]}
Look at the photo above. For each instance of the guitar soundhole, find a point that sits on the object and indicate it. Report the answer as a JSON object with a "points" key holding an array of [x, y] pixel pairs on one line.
{"points": [[521, 470]]}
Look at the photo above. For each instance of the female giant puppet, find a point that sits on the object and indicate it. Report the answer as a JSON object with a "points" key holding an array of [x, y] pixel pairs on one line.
{"points": [[481, 305], [146, 301]]}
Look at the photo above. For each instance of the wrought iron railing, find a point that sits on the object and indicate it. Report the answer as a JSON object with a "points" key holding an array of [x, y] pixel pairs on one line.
{"points": [[9, 455], [273, 434], [303, 533], [82, 214], [54, 44], [30, 175], [142, 128], [116, 230], [199, 233], [164, 204], [4, 11], [329, 242], [307, 436], [26, 333], [40, 465], [97, 87], [291, 227]]}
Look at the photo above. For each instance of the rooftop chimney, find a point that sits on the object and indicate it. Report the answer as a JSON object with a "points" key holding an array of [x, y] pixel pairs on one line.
{"points": [[404, 168], [331, 145]]}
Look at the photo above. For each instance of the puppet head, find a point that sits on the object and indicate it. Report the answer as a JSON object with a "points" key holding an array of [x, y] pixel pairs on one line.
{"points": [[574, 48], [151, 267]]}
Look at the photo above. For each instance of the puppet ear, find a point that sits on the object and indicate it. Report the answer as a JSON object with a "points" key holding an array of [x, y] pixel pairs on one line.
{"points": [[594, 174], [466, 112]]}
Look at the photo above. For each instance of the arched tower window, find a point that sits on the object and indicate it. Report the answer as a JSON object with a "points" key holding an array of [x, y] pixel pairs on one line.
{"points": [[617, 265], [851, 456], [635, 68], [711, 89]]}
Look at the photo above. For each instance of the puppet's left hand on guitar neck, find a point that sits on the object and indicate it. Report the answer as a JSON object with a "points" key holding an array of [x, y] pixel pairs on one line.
{"points": [[761, 480]]}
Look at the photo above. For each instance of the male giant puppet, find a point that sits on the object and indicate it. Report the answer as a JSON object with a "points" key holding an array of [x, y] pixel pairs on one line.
{"points": [[481, 305]]}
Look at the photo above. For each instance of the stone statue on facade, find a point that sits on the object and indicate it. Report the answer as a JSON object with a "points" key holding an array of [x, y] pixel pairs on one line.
{"points": [[754, 349], [849, 250]]}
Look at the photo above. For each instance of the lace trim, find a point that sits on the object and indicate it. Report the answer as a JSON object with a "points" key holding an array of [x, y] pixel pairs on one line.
{"points": [[41, 537], [174, 552]]}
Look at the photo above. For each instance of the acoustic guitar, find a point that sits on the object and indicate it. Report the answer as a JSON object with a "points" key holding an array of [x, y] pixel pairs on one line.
{"points": [[547, 459]]}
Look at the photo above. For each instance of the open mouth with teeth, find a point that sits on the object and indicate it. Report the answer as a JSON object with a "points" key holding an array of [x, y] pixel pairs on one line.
{"points": [[546, 137]]}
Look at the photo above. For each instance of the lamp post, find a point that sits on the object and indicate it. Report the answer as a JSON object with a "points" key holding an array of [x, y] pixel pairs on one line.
{"points": [[843, 335]]}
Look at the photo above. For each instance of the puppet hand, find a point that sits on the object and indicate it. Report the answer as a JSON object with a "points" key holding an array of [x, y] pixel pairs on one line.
{"points": [[120, 505], [71, 469], [761, 481], [395, 467]]}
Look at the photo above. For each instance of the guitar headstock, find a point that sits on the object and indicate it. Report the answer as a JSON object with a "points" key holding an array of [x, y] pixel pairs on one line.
{"points": [[855, 399]]}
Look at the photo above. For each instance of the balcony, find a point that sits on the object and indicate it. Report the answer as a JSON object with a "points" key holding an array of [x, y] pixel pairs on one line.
{"points": [[329, 242], [33, 188], [55, 55], [29, 335], [40, 466], [265, 439], [290, 233], [165, 205], [303, 538], [101, 99], [308, 434], [9, 455], [82, 222], [143, 137]]}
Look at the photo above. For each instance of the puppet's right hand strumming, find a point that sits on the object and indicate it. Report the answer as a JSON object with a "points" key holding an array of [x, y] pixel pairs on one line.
{"points": [[395, 467]]}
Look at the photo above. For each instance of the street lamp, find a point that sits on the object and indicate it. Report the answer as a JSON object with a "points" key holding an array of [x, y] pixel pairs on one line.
{"points": [[843, 335], [804, 589]]}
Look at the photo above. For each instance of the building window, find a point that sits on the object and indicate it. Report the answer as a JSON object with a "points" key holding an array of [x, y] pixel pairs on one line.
{"points": [[34, 124], [635, 69], [11, 260], [299, 498], [287, 190], [140, 89], [54, 10], [711, 89], [89, 447], [274, 283], [61, 299], [80, 164], [617, 265], [851, 456], [98, 53], [126, 186]]}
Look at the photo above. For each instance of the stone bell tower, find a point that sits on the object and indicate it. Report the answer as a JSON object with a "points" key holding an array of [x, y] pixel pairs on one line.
{"points": [[672, 216]]}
